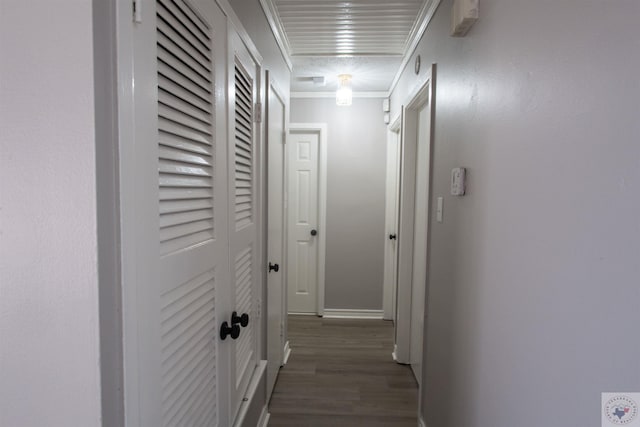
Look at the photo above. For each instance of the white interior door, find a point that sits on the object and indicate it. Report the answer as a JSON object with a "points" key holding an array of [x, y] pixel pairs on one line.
{"points": [[420, 228], [174, 204], [391, 224], [243, 214], [276, 301], [302, 214]]}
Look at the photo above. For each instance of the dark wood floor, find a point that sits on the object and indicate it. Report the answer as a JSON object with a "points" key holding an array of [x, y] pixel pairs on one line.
{"points": [[341, 373]]}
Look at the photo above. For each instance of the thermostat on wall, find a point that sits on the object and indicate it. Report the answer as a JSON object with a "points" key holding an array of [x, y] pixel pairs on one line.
{"points": [[458, 178]]}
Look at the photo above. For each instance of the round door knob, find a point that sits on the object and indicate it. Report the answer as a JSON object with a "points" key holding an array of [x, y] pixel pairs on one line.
{"points": [[274, 267], [243, 319], [392, 237], [314, 232], [226, 330]]}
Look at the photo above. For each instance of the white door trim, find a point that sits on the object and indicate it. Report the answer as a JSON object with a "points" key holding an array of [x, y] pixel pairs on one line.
{"points": [[321, 129], [390, 277], [421, 95], [127, 194], [272, 87]]}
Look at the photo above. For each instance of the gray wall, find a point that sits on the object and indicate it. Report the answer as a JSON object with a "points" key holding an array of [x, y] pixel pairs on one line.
{"points": [[534, 301], [49, 327], [356, 164]]}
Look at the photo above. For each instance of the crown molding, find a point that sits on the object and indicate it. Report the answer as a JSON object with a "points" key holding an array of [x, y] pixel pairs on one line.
{"points": [[277, 29], [332, 94], [422, 22]]}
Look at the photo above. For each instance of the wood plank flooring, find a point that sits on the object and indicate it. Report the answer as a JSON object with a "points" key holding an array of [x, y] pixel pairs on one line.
{"points": [[341, 373]]}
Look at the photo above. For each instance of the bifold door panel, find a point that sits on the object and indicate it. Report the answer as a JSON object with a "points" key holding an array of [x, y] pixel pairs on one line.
{"points": [[188, 198]]}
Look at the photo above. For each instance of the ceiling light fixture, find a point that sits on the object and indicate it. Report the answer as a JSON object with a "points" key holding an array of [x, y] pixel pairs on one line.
{"points": [[344, 92]]}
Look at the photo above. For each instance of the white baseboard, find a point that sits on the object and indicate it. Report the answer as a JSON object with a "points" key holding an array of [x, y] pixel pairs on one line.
{"points": [[421, 422], [294, 313], [251, 392], [287, 353], [394, 354], [264, 418], [333, 313]]}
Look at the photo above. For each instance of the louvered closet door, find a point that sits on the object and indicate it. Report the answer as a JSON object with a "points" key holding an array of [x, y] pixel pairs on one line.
{"points": [[243, 216], [181, 270]]}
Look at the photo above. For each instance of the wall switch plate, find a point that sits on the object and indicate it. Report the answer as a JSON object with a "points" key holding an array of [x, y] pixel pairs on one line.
{"points": [[439, 207], [458, 181]]}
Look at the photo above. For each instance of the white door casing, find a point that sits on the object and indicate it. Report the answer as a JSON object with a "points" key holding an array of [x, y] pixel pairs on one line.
{"points": [[244, 215], [306, 212], [174, 216], [420, 229], [405, 237], [391, 221], [275, 119], [414, 193]]}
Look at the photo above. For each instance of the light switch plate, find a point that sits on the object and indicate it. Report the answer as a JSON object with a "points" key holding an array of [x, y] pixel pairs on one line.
{"points": [[458, 181], [439, 209]]}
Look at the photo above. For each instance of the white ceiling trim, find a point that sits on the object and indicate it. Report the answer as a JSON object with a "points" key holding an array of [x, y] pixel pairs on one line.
{"points": [[332, 94], [424, 18], [278, 30]]}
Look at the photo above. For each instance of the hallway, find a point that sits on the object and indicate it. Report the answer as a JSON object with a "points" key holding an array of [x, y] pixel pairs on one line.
{"points": [[340, 373]]}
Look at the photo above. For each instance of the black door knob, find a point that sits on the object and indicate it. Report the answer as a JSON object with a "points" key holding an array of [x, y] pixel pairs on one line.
{"points": [[314, 232], [226, 330], [243, 319], [274, 267], [392, 237]]}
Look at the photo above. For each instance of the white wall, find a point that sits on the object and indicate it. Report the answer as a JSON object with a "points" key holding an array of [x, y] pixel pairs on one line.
{"points": [[356, 168], [534, 303], [49, 335]]}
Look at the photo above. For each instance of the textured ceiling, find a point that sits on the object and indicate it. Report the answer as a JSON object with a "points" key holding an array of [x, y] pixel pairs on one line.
{"points": [[365, 38], [370, 74]]}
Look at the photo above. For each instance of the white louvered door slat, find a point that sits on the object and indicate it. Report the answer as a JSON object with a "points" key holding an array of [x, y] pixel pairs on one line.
{"points": [[182, 243], [243, 230], [186, 162]]}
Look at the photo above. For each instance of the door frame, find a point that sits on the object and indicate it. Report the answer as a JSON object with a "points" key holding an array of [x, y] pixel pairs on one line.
{"points": [[390, 261], [423, 94], [283, 345], [321, 130]]}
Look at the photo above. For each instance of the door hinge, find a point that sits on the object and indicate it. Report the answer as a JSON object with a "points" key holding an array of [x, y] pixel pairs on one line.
{"points": [[258, 112], [137, 10]]}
